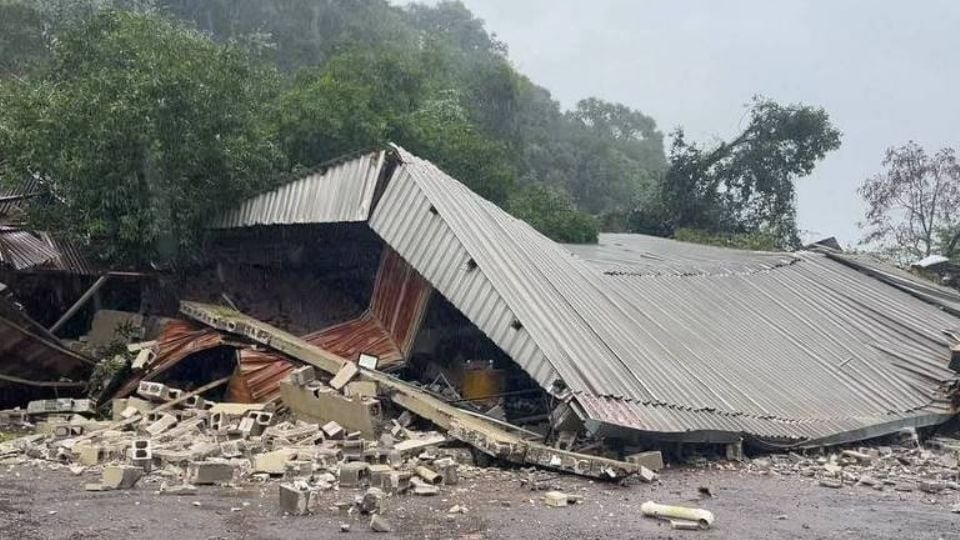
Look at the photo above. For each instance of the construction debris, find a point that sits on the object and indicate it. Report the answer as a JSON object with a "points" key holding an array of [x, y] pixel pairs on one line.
{"points": [[679, 516]]}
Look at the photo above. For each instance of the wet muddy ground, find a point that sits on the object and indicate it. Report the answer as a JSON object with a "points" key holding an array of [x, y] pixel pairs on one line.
{"points": [[36, 502]]}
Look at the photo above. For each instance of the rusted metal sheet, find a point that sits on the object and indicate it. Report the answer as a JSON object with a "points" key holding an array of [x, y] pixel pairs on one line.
{"points": [[258, 376], [400, 297], [179, 340], [364, 334], [389, 326]]}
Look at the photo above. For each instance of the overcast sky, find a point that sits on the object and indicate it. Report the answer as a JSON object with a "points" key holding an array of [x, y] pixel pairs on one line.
{"points": [[886, 71]]}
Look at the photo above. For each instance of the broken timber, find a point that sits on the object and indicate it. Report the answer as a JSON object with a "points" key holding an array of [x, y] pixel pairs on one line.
{"points": [[477, 432]]}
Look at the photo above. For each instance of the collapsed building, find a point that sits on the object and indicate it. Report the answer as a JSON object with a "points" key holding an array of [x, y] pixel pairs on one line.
{"points": [[381, 258]]}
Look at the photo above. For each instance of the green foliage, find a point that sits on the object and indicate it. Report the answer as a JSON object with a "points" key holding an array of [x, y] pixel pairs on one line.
{"points": [[756, 241], [553, 213], [746, 185], [140, 129]]}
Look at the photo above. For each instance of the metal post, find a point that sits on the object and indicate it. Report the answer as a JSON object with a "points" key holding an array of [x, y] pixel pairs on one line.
{"points": [[79, 303]]}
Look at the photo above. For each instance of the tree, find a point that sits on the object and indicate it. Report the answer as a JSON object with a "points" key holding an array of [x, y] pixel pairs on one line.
{"points": [[139, 129], [551, 211], [913, 207], [746, 185]]}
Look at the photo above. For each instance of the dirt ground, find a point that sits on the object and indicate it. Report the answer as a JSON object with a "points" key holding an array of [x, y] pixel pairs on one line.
{"points": [[39, 503]]}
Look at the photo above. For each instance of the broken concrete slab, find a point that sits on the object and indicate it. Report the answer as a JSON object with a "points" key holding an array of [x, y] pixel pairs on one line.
{"points": [[298, 499], [474, 431], [120, 476], [652, 460], [344, 375], [210, 472], [353, 413]]}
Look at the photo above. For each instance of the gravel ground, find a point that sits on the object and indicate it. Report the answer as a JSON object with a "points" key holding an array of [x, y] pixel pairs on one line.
{"points": [[36, 502]]}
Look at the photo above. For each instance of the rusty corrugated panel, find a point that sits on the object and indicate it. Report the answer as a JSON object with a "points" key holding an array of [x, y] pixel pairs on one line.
{"points": [[364, 334], [179, 340], [399, 302], [387, 329], [258, 376]]}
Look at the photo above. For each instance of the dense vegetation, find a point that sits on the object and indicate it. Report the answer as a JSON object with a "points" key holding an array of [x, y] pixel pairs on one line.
{"points": [[144, 117]]}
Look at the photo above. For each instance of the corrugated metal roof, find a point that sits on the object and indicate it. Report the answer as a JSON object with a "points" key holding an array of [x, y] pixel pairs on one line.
{"points": [[341, 192], [29, 353], [15, 198], [20, 249], [648, 255], [70, 257], [694, 339], [924, 289]]}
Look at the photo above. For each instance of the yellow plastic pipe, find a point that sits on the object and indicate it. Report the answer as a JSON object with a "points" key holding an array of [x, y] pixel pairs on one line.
{"points": [[704, 518]]}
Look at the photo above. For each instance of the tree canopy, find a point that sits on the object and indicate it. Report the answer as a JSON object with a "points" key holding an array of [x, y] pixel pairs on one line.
{"points": [[142, 118], [138, 128], [746, 185], [913, 206]]}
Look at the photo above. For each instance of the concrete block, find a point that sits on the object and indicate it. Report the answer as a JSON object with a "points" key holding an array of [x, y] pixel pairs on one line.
{"points": [[652, 460], [120, 476], [248, 427], [303, 375], [448, 470], [361, 388], [380, 475], [194, 402], [428, 475], [354, 413], [140, 449], [646, 475], [165, 422], [272, 462], [83, 406], [151, 391], [354, 473], [298, 499], [210, 472], [236, 410], [345, 375], [88, 454], [556, 499], [333, 430]]}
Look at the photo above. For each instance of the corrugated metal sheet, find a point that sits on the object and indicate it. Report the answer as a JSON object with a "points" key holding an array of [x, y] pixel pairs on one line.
{"points": [[70, 258], [30, 353], [387, 329], [944, 297], [258, 376], [637, 254], [179, 340], [364, 334], [14, 199], [20, 249], [788, 347], [340, 192]]}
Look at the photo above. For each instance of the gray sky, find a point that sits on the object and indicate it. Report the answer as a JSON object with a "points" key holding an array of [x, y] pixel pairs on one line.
{"points": [[886, 72]]}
